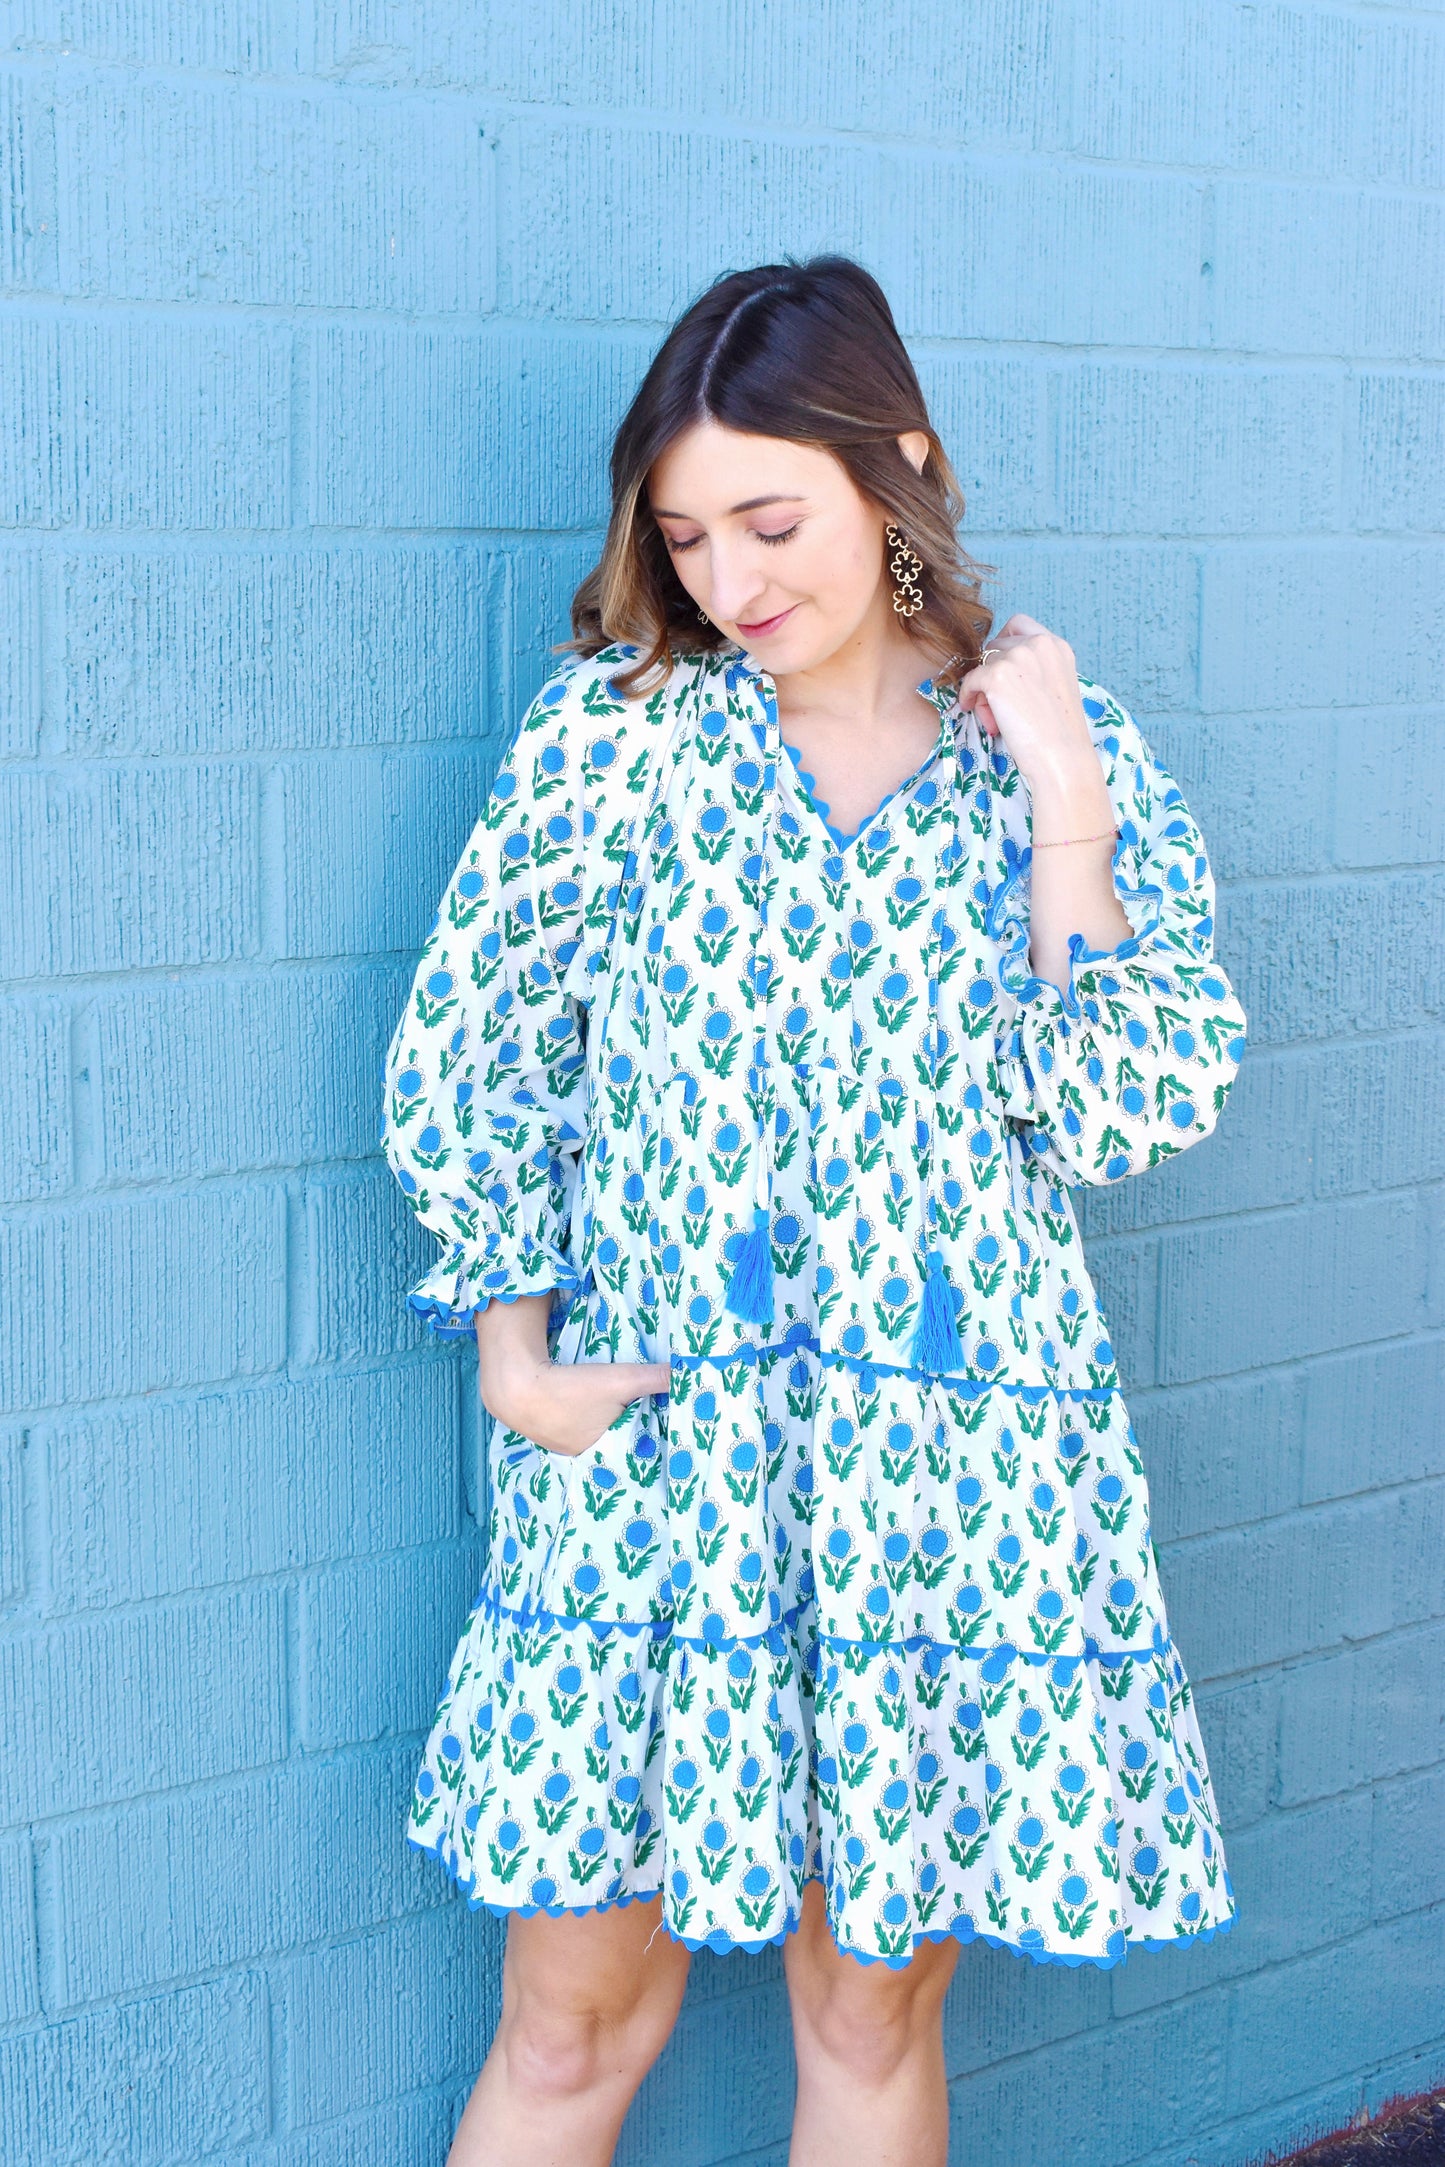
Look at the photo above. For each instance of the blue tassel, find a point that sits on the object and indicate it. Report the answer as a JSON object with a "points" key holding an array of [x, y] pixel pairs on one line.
{"points": [[750, 1285], [936, 1345]]}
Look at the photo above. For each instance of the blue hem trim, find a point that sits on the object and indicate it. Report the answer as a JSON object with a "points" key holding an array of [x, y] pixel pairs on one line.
{"points": [[1015, 974], [820, 804], [489, 1598], [860, 1364], [450, 1322], [719, 1944]]}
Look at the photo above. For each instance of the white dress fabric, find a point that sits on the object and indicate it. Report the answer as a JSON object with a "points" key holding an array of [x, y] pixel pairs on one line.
{"points": [[870, 1595]]}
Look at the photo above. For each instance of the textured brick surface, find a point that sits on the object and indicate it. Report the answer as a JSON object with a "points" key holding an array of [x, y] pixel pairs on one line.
{"points": [[315, 325]]}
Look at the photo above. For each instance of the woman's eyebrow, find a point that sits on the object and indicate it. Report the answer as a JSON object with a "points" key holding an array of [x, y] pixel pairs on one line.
{"points": [[749, 505]]}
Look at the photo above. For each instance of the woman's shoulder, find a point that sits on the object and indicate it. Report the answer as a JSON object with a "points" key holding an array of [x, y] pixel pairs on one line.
{"points": [[584, 733]]}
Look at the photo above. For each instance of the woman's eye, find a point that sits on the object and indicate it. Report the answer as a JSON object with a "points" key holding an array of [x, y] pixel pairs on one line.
{"points": [[786, 535]]}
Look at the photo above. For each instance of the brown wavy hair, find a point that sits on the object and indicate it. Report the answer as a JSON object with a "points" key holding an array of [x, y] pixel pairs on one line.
{"points": [[806, 351]]}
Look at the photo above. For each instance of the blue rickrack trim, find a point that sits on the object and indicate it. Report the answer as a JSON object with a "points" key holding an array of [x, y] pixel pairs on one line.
{"points": [[805, 1342], [718, 1943], [449, 1322], [1015, 975], [824, 811], [774, 1637]]}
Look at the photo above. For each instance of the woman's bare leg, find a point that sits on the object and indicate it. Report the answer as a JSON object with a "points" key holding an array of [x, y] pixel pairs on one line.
{"points": [[869, 2044], [587, 2006]]}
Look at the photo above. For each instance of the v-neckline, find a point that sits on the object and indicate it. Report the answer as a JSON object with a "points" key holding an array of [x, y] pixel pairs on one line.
{"points": [[940, 698], [819, 804]]}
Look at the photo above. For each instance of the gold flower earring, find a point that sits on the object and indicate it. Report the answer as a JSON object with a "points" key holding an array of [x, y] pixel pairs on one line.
{"points": [[905, 565]]}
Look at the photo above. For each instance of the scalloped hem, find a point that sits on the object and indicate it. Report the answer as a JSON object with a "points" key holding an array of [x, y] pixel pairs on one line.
{"points": [[967, 1387], [719, 1944], [772, 1636], [1013, 970], [449, 1322]]}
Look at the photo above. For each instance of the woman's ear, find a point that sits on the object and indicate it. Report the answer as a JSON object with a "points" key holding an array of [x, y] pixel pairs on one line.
{"points": [[914, 446]]}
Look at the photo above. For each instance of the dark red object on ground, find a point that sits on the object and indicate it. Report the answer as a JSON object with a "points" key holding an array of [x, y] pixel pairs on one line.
{"points": [[1405, 2133]]}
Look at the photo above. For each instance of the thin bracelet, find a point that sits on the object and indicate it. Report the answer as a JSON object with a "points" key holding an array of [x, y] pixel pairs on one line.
{"points": [[1062, 842]]}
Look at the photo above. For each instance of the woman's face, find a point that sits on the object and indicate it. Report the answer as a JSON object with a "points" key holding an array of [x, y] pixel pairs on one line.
{"points": [[775, 541]]}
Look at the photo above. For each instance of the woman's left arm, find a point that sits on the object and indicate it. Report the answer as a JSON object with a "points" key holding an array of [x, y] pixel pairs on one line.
{"points": [[1127, 1033]]}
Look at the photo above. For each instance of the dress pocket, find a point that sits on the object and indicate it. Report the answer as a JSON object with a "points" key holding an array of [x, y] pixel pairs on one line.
{"points": [[608, 1557]]}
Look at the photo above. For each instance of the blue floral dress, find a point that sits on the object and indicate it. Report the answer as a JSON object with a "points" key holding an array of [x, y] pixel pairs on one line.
{"points": [[870, 1594]]}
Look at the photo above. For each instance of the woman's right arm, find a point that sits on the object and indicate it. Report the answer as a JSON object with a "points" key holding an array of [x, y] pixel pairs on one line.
{"points": [[487, 1096]]}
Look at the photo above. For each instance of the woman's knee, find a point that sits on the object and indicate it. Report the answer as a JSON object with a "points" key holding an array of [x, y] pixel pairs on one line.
{"points": [[865, 2020], [570, 2027]]}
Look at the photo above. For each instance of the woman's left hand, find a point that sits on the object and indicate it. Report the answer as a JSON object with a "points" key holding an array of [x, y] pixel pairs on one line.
{"points": [[1027, 694]]}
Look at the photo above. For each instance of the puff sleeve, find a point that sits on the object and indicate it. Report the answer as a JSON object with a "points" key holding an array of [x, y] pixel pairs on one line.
{"points": [[1133, 1060], [485, 1078]]}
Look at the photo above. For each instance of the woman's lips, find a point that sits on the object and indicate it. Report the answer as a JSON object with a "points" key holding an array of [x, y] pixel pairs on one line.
{"points": [[766, 624]]}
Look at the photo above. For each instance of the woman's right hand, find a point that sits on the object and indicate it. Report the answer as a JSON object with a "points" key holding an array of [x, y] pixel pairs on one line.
{"points": [[562, 1406]]}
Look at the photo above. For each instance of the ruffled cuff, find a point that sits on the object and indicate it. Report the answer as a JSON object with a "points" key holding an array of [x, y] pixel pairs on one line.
{"points": [[1007, 921], [470, 1277]]}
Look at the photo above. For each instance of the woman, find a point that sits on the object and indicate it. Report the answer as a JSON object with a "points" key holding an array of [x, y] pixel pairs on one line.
{"points": [[804, 956]]}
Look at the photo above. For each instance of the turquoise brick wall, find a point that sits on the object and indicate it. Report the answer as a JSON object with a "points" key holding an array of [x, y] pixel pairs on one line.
{"points": [[316, 322]]}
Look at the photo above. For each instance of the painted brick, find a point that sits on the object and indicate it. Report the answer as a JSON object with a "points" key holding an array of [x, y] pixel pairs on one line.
{"points": [[1256, 1158], [1338, 1274], [363, 1250], [1199, 86], [13, 1454], [122, 868], [142, 1700], [1129, 241], [1326, 958], [1110, 2094], [27, 183], [1129, 611], [20, 672], [675, 2118], [418, 2129], [168, 1109], [1126, 1275], [1333, 597], [144, 423], [263, 1896], [1336, 2011], [1240, 1726], [993, 417], [1287, 280], [527, 420], [1402, 92], [1390, 809], [35, 1032], [423, 1993], [261, 36], [181, 192], [376, 1641], [1405, 1849], [1263, 791], [1371, 1712], [1308, 1581], [996, 2011], [1396, 438], [222, 649], [1371, 1128], [19, 1974], [146, 2082], [65, 1265], [1300, 1879], [1184, 450], [1372, 1417], [1220, 1454], [370, 841], [160, 1496]]}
